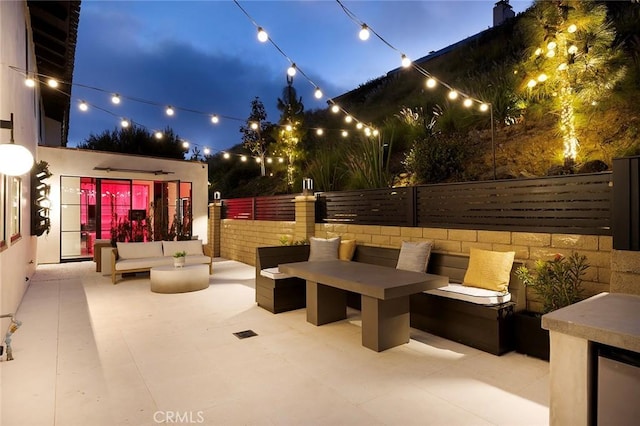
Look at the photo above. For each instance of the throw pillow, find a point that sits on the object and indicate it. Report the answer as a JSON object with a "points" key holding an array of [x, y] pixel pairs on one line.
{"points": [[323, 249], [414, 256], [347, 249], [489, 269]]}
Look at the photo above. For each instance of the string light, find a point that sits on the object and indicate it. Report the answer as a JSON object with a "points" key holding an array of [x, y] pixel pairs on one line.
{"points": [[206, 151], [318, 93], [185, 144], [29, 82], [288, 127], [348, 119], [364, 33], [431, 82], [573, 49], [254, 126], [262, 35], [406, 62], [53, 83], [542, 78], [291, 71], [170, 111], [467, 103], [158, 135], [572, 28], [243, 158], [115, 99], [551, 45], [319, 132], [83, 106], [124, 123], [335, 109], [226, 155], [345, 133], [453, 95], [215, 119]]}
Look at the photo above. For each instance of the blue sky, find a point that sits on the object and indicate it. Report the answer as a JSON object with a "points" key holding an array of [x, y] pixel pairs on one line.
{"points": [[204, 56]]}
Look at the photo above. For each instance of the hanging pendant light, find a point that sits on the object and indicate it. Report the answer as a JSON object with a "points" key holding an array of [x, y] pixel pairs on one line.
{"points": [[15, 160]]}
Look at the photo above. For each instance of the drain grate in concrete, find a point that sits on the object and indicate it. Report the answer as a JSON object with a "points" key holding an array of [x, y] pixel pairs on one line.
{"points": [[244, 334]]}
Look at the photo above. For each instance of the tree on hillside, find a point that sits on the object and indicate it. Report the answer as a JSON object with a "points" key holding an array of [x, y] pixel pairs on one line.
{"points": [[136, 140], [571, 62], [289, 135], [255, 134]]}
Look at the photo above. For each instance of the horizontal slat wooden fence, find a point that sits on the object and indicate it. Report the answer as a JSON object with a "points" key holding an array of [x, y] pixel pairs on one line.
{"points": [[277, 207], [573, 204]]}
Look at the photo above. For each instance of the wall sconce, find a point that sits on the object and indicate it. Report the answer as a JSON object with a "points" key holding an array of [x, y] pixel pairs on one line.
{"points": [[15, 160], [307, 186]]}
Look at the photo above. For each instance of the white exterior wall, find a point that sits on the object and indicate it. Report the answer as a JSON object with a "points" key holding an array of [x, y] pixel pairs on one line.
{"points": [[16, 259], [81, 163]]}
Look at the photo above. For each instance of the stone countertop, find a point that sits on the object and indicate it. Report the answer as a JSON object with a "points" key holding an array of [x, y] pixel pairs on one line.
{"points": [[611, 319]]}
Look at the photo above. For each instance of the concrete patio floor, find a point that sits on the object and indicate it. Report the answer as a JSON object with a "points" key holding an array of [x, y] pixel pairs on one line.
{"points": [[93, 353]]}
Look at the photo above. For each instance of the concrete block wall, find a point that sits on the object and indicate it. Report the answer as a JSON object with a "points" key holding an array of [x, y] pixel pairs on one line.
{"points": [[239, 238], [528, 246]]}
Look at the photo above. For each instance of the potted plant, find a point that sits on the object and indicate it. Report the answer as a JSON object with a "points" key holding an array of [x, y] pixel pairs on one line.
{"points": [[179, 258], [558, 283]]}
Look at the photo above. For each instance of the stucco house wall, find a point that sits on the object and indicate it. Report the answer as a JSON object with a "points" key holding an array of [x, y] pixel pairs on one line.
{"points": [[82, 163]]}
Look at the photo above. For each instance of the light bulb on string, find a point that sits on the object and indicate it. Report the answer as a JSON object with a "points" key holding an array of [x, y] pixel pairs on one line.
{"points": [[226, 155], [291, 71], [29, 82], [542, 78], [258, 160], [431, 83], [484, 107], [345, 133], [467, 102], [335, 109], [376, 132], [185, 144], [364, 33], [551, 53], [206, 151], [531, 84], [53, 83], [348, 119], [115, 99], [280, 160], [215, 119], [243, 158], [573, 49], [359, 126], [572, 28], [158, 134], [538, 51], [170, 111], [367, 131], [551, 45], [318, 93], [453, 94], [82, 106], [288, 128], [563, 66], [262, 35], [319, 132], [406, 62], [124, 123], [254, 126]]}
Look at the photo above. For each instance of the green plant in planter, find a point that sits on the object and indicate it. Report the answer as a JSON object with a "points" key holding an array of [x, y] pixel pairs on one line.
{"points": [[558, 281], [179, 254]]}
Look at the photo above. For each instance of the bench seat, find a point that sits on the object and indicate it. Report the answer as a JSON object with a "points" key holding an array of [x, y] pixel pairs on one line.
{"points": [[478, 296]]}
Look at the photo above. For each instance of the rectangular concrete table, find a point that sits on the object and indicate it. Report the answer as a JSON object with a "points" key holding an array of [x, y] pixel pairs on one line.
{"points": [[384, 291]]}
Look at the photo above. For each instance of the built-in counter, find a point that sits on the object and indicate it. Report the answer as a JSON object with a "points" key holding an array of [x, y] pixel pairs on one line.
{"points": [[575, 333]]}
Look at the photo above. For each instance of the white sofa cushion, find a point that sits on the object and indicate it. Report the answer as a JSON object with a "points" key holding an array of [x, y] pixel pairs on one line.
{"points": [[274, 273], [192, 259], [142, 263], [480, 296], [192, 247], [139, 250]]}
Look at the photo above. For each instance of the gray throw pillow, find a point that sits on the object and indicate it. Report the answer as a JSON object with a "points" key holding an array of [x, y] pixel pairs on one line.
{"points": [[414, 256], [323, 249]]}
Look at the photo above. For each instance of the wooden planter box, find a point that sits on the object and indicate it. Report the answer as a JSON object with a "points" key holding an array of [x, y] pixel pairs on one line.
{"points": [[530, 338]]}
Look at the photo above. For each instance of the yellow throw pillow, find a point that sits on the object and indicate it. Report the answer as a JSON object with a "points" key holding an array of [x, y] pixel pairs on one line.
{"points": [[346, 250], [489, 269]]}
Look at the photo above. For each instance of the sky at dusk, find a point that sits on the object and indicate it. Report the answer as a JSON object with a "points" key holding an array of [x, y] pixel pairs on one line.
{"points": [[203, 57]]}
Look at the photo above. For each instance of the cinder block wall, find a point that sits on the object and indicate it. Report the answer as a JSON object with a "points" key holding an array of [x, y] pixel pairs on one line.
{"points": [[528, 246], [239, 238]]}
